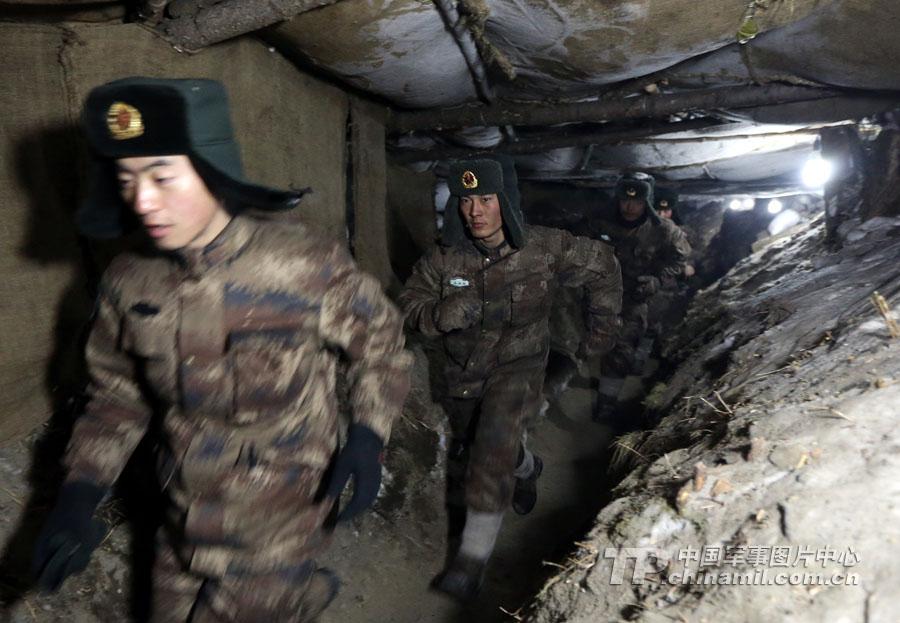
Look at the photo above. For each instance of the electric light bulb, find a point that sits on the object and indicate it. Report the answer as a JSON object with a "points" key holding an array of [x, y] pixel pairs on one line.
{"points": [[816, 172]]}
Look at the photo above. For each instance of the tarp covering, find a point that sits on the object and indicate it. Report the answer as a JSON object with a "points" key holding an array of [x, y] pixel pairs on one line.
{"points": [[401, 49], [292, 130]]}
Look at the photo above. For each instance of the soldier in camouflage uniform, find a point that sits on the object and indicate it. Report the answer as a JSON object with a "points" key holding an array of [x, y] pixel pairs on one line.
{"points": [[649, 249], [664, 306], [228, 329], [486, 289]]}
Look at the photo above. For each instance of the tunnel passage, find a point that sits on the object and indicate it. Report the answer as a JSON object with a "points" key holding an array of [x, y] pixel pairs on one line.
{"points": [[756, 418]]}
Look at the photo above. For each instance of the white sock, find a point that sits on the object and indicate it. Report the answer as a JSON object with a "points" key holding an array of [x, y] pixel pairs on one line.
{"points": [[480, 534], [524, 469]]}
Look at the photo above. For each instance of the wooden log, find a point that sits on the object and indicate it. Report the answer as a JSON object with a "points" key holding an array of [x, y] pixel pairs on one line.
{"points": [[536, 146], [232, 18], [645, 106]]}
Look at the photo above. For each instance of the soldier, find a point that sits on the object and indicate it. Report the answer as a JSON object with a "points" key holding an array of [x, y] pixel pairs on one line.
{"points": [[227, 328], [486, 289], [667, 306], [649, 250]]}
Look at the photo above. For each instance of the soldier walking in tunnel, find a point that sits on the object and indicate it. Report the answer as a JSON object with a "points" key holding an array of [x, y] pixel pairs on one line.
{"points": [[649, 249], [486, 290], [226, 331], [668, 306]]}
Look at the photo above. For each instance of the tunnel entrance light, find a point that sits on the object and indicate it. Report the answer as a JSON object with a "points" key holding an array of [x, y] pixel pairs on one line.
{"points": [[749, 202], [816, 172], [775, 206], [735, 204]]}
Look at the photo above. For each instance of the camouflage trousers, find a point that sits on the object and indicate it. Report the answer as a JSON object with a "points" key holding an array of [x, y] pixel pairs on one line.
{"points": [[619, 361], [490, 429], [242, 588], [295, 594], [567, 327]]}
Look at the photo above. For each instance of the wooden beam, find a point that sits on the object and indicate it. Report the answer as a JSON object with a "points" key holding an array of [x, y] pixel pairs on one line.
{"points": [[231, 18], [536, 146], [644, 106]]}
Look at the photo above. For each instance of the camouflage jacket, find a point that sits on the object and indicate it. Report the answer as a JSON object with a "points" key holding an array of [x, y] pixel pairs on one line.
{"points": [[516, 288], [656, 249], [236, 347]]}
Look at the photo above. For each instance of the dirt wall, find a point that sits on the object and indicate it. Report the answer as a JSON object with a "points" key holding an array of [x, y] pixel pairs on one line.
{"points": [[292, 129], [411, 216]]}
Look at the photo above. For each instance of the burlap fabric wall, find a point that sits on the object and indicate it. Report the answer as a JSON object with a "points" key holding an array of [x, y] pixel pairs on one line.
{"points": [[292, 130]]}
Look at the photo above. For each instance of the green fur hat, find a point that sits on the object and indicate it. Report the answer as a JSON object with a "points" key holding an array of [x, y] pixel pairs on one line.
{"points": [[484, 174], [141, 116], [665, 198], [637, 186]]}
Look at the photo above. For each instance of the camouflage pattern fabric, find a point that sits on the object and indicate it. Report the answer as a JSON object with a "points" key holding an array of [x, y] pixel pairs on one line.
{"points": [[296, 594], [514, 288], [491, 429], [501, 357], [659, 250], [236, 345], [651, 249]]}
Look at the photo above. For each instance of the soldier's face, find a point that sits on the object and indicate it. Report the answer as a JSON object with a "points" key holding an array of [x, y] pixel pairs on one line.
{"points": [[664, 213], [483, 217], [631, 209], [175, 207]]}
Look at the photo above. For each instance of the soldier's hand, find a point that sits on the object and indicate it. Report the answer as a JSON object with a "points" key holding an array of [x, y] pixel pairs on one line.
{"points": [[70, 535], [649, 285], [361, 458], [457, 311]]}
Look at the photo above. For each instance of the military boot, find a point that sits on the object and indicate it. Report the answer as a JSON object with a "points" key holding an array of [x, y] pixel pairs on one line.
{"points": [[525, 492], [462, 579], [323, 588], [464, 576]]}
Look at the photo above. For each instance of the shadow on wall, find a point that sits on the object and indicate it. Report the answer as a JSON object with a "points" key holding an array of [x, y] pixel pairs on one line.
{"points": [[52, 167]]}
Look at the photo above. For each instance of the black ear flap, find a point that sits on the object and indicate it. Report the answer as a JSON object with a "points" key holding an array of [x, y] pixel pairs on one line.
{"points": [[453, 230], [103, 214], [242, 193]]}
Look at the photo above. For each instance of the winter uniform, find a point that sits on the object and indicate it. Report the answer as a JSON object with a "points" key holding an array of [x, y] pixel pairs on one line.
{"points": [[649, 250], [491, 307], [235, 346], [667, 306]]}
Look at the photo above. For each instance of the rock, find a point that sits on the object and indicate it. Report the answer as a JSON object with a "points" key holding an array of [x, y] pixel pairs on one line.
{"points": [[788, 457]]}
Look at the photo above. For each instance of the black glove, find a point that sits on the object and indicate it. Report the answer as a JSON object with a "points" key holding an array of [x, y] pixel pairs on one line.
{"points": [[70, 535], [457, 311], [360, 458], [649, 285]]}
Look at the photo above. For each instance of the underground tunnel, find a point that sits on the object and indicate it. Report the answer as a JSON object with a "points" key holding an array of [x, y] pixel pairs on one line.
{"points": [[749, 471]]}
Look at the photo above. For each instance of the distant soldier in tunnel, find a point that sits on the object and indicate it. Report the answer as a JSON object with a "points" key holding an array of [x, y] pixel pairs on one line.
{"points": [[486, 289], [225, 329], [666, 307], [649, 249]]}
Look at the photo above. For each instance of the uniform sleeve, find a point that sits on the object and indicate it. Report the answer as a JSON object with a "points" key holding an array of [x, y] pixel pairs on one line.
{"points": [[117, 414], [357, 317], [421, 293], [675, 252], [593, 266]]}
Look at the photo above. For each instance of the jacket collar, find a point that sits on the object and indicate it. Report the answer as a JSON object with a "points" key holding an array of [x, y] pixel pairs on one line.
{"points": [[224, 247]]}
